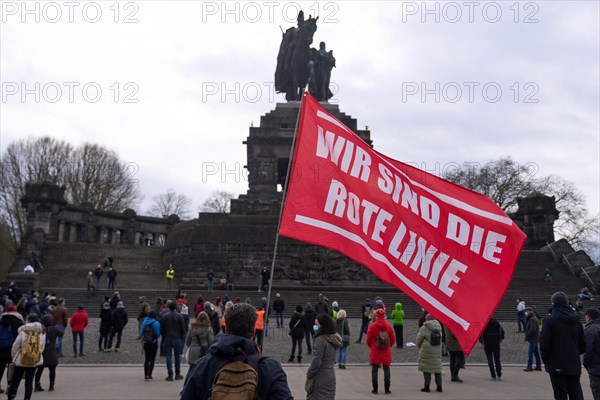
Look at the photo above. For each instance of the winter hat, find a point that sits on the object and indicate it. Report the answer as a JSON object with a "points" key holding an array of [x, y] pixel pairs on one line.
{"points": [[334, 304], [298, 309], [368, 301], [120, 305], [79, 306], [152, 314], [559, 299], [380, 313], [11, 308], [106, 306], [593, 313]]}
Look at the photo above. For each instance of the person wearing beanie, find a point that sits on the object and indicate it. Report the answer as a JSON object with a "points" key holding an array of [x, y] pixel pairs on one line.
{"points": [[378, 355], [150, 346], [119, 320], [591, 357], [79, 321], [562, 341], [297, 328], [532, 336], [335, 308], [106, 323], [365, 312]]}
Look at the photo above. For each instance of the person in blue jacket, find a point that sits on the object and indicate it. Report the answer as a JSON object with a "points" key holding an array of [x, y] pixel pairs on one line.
{"points": [[150, 343], [237, 345]]}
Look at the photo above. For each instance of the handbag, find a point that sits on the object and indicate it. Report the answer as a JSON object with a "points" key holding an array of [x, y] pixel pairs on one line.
{"points": [[346, 338]]}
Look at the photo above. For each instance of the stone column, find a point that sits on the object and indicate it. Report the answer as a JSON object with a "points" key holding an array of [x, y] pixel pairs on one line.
{"points": [[73, 233], [61, 231]]}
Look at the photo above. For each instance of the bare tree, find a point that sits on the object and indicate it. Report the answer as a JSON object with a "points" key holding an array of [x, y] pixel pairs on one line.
{"points": [[28, 160], [504, 180], [217, 202], [98, 178], [92, 175], [170, 203]]}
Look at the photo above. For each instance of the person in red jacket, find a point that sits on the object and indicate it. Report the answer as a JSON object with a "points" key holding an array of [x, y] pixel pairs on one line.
{"points": [[380, 353], [79, 321]]}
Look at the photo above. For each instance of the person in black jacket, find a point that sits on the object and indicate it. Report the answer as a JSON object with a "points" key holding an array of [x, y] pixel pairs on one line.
{"points": [[10, 322], [50, 354], [310, 315], [591, 358], [106, 323], [532, 336], [297, 328], [491, 337], [236, 344], [119, 317], [561, 342]]}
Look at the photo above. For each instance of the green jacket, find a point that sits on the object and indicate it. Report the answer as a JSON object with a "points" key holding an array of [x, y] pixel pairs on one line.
{"points": [[430, 357], [398, 315]]}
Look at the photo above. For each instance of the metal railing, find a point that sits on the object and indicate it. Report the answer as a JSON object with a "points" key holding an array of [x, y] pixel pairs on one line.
{"points": [[568, 265], [592, 285]]}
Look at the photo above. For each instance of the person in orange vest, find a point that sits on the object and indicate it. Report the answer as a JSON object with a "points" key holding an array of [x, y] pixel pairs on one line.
{"points": [[260, 327]]}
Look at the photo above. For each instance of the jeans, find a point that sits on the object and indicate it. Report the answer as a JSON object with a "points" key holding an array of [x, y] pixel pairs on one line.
{"points": [[259, 338], [386, 376], [210, 284], [308, 337], [399, 332], [566, 386], [75, 336], [521, 322], [363, 330], [427, 379], [279, 318], [91, 291], [29, 373], [150, 350], [60, 339], [533, 350], [119, 334], [173, 345], [297, 342], [493, 359], [342, 355], [457, 359]]}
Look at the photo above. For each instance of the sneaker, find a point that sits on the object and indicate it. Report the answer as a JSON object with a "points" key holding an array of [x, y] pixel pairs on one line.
{"points": [[169, 378], [499, 378], [107, 350], [493, 379], [117, 350], [150, 378], [388, 392], [178, 377]]}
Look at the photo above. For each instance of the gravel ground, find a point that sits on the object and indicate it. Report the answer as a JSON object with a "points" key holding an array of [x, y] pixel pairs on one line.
{"points": [[278, 345]]}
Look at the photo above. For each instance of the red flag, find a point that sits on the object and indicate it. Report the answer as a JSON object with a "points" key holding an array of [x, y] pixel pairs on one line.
{"points": [[450, 249]]}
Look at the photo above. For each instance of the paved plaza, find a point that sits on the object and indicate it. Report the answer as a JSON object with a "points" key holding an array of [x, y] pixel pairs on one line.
{"points": [[100, 376]]}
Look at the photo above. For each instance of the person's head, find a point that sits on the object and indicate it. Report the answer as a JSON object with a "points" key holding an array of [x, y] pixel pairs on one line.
{"points": [[591, 314], [341, 314], [89, 273], [299, 309], [326, 324], [32, 317], [241, 320], [171, 305], [202, 319], [200, 300], [322, 45], [380, 313], [142, 299], [528, 311], [429, 317], [278, 295], [152, 314], [334, 304], [559, 299], [120, 305], [519, 299]]}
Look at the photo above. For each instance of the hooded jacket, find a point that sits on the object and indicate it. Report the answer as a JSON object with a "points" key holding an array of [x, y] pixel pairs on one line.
{"points": [[297, 325], [79, 321], [562, 341], [398, 315], [30, 327], [430, 357], [379, 356], [272, 380]]}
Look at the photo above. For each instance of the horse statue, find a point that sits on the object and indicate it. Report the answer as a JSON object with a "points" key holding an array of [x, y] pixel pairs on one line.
{"points": [[292, 73]]}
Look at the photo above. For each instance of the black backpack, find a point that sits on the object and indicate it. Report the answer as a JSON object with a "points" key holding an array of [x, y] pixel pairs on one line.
{"points": [[436, 338], [148, 334]]}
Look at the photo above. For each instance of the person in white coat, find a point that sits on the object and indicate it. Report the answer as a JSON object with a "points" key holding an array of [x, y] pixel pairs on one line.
{"points": [[30, 328]]}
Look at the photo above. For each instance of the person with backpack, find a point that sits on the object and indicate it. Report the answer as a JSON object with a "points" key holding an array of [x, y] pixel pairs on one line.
{"points": [[429, 342], [10, 322], [50, 355], [199, 338], [150, 332], [233, 360], [380, 339], [79, 321], [27, 355]]}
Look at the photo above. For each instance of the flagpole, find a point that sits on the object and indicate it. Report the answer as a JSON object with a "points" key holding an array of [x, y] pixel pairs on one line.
{"points": [[283, 195]]}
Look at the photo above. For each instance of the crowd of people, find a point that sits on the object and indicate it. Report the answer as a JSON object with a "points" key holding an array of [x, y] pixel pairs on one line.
{"points": [[209, 335]]}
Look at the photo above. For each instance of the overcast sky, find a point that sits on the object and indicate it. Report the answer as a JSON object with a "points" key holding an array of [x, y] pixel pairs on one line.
{"points": [[173, 86]]}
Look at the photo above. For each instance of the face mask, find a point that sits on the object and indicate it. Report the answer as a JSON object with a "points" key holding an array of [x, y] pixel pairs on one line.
{"points": [[315, 328]]}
